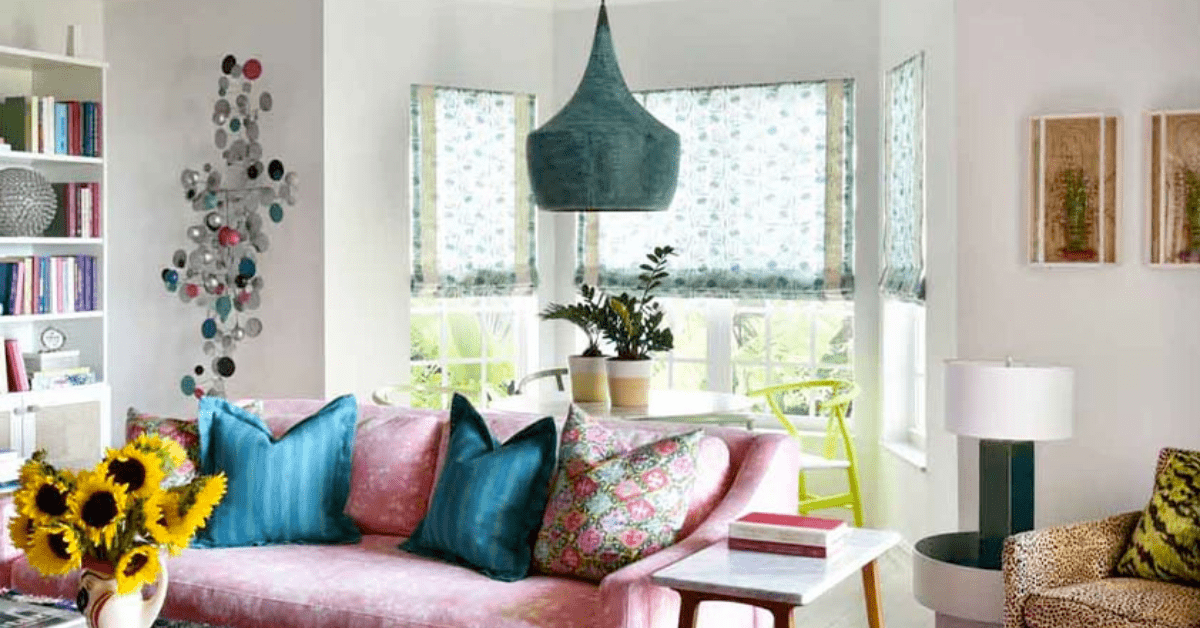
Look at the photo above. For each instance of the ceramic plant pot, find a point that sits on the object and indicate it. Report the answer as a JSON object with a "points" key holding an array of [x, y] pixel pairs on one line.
{"points": [[103, 607], [589, 382], [629, 381]]}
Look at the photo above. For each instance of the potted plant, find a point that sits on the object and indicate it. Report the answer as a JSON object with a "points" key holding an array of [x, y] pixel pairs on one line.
{"points": [[587, 370], [634, 324]]}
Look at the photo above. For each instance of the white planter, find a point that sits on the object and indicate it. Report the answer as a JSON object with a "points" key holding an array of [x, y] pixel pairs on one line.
{"points": [[629, 381], [589, 379]]}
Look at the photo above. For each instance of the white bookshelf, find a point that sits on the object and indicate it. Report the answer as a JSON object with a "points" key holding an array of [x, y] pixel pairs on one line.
{"points": [[73, 424]]}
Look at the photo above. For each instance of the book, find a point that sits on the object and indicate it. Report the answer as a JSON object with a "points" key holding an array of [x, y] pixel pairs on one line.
{"points": [[781, 528], [62, 378], [61, 113], [791, 549], [17, 381]]}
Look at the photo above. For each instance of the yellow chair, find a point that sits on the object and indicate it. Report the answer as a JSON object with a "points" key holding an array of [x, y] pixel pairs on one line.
{"points": [[837, 406]]}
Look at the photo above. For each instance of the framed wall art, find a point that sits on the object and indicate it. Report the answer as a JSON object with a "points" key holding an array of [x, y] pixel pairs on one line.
{"points": [[1075, 190], [1173, 189]]}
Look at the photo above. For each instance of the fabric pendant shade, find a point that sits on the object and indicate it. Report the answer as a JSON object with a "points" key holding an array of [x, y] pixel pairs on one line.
{"points": [[603, 151]]}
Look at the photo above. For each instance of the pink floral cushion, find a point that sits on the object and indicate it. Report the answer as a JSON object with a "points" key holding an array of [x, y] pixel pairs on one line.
{"points": [[181, 431], [610, 505]]}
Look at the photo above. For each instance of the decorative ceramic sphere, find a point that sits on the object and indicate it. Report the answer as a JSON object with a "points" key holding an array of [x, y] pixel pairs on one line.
{"points": [[238, 333], [27, 203], [214, 220], [228, 237], [211, 283]]}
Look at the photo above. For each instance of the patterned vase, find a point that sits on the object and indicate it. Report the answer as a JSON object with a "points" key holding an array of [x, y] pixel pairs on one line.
{"points": [[103, 607]]}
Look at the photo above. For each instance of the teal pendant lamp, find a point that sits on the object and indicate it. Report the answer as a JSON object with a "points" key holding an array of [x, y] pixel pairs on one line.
{"points": [[603, 151]]}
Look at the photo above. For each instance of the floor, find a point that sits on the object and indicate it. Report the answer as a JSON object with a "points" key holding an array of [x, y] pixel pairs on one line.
{"points": [[843, 606]]}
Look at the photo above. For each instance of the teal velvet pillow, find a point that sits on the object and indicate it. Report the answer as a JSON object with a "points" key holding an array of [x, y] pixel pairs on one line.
{"points": [[488, 502], [291, 490]]}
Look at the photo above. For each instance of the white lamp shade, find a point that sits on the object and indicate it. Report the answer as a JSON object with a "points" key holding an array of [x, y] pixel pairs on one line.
{"points": [[1003, 401]]}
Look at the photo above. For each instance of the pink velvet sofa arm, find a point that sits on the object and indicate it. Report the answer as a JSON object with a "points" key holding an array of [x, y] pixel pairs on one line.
{"points": [[765, 481]]}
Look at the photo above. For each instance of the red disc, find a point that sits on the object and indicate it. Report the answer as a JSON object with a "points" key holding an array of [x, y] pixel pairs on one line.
{"points": [[220, 289], [192, 290], [198, 392], [252, 69]]}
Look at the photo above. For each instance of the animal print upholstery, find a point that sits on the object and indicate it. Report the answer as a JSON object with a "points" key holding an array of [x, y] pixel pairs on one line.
{"points": [[1061, 576], [1115, 603]]}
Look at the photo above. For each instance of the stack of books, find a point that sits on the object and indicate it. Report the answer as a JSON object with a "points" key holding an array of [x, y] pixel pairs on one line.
{"points": [[79, 210], [10, 470], [39, 124], [795, 535], [49, 370]]}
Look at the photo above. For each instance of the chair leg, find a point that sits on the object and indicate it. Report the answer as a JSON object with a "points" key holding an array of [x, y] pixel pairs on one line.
{"points": [[855, 496], [803, 492]]}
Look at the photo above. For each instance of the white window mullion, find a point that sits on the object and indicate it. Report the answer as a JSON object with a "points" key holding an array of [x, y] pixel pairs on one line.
{"points": [[720, 344]]}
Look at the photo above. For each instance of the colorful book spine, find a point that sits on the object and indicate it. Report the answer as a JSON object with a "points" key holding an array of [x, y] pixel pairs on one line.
{"points": [[17, 380], [96, 209], [61, 113], [790, 549], [74, 132]]}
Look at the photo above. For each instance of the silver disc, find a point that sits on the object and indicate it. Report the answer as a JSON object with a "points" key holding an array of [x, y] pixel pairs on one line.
{"points": [[253, 327], [183, 295], [257, 283], [254, 301], [252, 132], [246, 86], [238, 333], [195, 233], [261, 242], [214, 180], [254, 151], [220, 137], [236, 71], [265, 102], [243, 104], [228, 344], [223, 82], [180, 258], [253, 223], [291, 179], [237, 151], [209, 347]]}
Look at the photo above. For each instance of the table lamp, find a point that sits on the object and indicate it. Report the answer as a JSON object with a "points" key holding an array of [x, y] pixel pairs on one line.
{"points": [[1007, 405]]}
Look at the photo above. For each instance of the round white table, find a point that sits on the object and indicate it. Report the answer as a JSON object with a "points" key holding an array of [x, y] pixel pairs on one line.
{"points": [[689, 406]]}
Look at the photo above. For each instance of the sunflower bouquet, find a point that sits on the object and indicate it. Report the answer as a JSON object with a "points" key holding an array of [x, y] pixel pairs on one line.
{"points": [[116, 514]]}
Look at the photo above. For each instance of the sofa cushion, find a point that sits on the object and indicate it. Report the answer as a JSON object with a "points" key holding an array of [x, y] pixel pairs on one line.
{"points": [[181, 431], [490, 497], [395, 452], [1166, 541], [366, 585], [612, 505], [290, 490], [1114, 603], [715, 462]]}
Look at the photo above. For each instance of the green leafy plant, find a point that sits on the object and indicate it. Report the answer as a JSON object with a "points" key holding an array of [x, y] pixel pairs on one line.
{"points": [[634, 323], [586, 314], [1191, 186], [1075, 201]]}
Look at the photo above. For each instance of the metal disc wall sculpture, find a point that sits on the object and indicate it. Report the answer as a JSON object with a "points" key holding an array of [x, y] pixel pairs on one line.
{"points": [[228, 199]]}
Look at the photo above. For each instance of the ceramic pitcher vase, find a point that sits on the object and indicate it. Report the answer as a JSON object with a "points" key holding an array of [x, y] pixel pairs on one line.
{"points": [[103, 607]]}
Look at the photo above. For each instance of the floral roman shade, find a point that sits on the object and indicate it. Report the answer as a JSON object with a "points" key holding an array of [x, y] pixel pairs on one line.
{"points": [[903, 232], [765, 203], [473, 230]]}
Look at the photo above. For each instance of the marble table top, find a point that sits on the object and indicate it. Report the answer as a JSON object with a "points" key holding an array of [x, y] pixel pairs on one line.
{"points": [[665, 405], [774, 577]]}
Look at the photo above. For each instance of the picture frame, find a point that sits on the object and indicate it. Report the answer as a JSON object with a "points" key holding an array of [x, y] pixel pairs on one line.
{"points": [[1173, 188], [1075, 189]]}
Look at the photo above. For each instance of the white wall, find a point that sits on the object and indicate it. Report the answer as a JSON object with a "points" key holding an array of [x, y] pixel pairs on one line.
{"points": [[1130, 331], [374, 51], [714, 42], [164, 58], [913, 501], [42, 25]]}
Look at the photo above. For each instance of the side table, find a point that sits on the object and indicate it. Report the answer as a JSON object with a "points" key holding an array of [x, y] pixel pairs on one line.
{"points": [[776, 582]]}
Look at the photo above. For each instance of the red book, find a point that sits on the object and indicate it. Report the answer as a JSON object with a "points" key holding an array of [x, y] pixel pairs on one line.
{"points": [[795, 529], [75, 127], [95, 190], [72, 209], [17, 381], [791, 549]]}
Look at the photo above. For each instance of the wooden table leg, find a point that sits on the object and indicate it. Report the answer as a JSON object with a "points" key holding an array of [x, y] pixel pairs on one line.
{"points": [[689, 605], [783, 616], [870, 578]]}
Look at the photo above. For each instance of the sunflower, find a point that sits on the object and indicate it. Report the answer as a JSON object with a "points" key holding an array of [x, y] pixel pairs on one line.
{"points": [[20, 530], [166, 447], [98, 506], [140, 472], [43, 498], [207, 497], [54, 550], [172, 524], [137, 567], [153, 520]]}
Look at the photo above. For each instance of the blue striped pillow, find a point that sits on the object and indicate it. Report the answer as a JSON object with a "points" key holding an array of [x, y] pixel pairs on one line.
{"points": [[489, 500], [291, 490]]}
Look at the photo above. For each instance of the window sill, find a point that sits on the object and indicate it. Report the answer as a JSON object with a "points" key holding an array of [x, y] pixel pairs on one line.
{"points": [[907, 453]]}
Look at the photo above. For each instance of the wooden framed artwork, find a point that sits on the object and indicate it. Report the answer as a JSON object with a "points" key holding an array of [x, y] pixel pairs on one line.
{"points": [[1173, 203], [1075, 189]]}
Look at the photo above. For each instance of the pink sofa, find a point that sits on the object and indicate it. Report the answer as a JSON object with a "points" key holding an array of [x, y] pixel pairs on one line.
{"points": [[373, 584]]}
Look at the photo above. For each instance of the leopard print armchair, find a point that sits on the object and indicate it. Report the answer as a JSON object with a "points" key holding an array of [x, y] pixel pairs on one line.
{"points": [[1063, 577]]}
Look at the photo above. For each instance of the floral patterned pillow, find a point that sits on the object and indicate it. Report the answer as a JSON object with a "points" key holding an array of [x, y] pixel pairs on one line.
{"points": [[610, 506], [181, 431]]}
